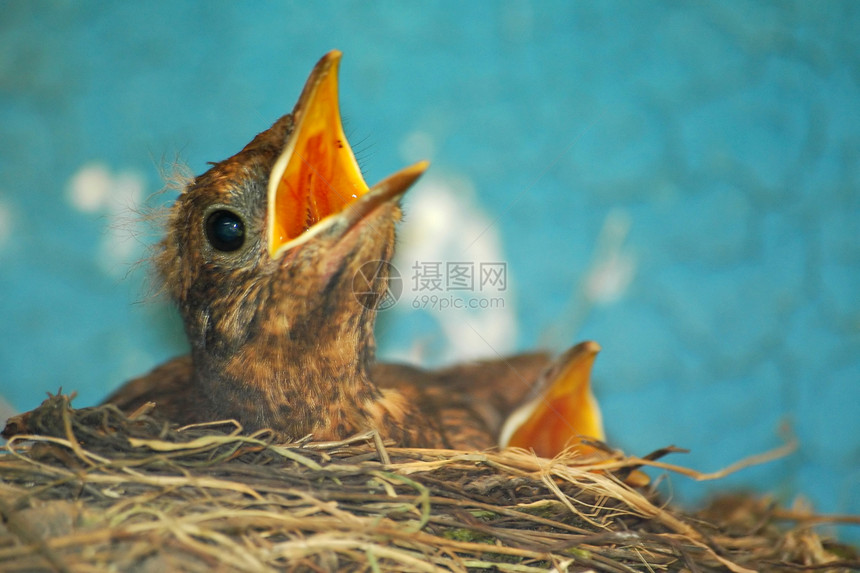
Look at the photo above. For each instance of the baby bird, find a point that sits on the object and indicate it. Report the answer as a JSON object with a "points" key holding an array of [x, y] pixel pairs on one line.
{"points": [[260, 256]]}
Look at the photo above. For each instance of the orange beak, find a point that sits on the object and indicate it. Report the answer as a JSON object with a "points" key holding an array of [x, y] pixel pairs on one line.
{"points": [[563, 413], [316, 177]]}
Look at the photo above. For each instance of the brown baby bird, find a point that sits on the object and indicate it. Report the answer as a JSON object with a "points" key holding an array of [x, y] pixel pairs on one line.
{"points": [[261, 257]]}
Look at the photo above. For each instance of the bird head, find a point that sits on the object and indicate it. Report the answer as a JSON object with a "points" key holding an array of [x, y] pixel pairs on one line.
{"points": [[262, 250]]}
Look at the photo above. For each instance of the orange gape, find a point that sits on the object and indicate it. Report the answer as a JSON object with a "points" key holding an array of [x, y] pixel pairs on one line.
{"points": [[322, 176], [562, 412]]}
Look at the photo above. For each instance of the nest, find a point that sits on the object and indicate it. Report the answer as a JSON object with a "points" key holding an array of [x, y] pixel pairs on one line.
{"points": [[94, 490]]}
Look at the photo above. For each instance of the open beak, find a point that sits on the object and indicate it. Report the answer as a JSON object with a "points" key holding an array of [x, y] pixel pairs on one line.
{"points": [[563, 413], [316, 180]]}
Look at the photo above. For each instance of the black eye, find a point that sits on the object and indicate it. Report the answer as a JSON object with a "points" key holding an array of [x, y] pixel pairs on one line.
{"points": [[225, 230]]}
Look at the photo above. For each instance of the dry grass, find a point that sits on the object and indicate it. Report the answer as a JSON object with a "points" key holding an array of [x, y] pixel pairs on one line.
{"points": [[91, 490]]}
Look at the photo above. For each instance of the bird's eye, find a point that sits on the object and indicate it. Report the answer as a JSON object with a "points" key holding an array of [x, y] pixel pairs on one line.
{"points": [[225, 230]]}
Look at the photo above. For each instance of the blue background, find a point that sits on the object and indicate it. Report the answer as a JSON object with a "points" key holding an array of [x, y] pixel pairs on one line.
{"points": [[676, 181]]}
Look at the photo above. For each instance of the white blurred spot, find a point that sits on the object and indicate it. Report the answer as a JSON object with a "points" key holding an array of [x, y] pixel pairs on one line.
{"points": [[94, 189], [442, 224], [607, 281], [613, 268], [89, 189]]}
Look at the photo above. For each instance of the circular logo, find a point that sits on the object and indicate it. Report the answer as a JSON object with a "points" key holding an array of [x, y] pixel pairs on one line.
{"points": [[367, 281]]}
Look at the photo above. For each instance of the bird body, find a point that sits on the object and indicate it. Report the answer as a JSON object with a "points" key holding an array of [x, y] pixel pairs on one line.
{"points": [[460, 407], [260, 256]]}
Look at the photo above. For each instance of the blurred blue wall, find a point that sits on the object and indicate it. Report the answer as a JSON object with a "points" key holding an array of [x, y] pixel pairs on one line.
{"points": [[676, 181]]}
